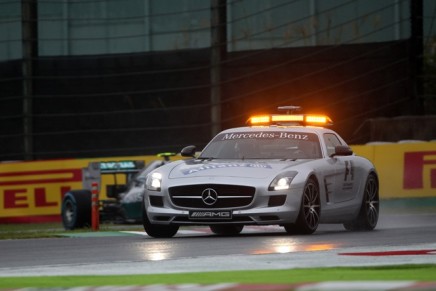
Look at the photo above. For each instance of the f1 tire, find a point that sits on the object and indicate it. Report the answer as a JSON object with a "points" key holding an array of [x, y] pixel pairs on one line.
{"points": [[76, 209]]}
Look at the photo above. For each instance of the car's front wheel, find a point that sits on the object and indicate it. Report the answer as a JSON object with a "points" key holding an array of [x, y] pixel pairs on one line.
{"points": [[229, 229], [369, 210], [157, 230], [310, 210]]}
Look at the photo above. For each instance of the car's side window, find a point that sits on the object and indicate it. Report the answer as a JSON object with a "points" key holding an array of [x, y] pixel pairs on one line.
{"points": [[331, 140]]}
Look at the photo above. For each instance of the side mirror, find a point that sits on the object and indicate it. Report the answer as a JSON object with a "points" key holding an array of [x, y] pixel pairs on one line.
{"points": [[342, 150], [188, 151]]}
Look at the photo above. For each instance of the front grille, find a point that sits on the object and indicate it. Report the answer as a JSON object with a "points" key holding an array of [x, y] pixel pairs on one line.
{"points": [[228, 196]]}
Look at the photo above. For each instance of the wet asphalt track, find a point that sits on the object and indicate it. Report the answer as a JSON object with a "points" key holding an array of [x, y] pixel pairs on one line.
{"points": [[411, 234]]}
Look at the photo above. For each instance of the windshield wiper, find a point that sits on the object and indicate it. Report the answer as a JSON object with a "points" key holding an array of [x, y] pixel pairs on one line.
{"points": [[291, 159], [205, 158]]}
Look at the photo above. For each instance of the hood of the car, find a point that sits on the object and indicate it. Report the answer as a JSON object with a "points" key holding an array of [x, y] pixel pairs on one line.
{"points": [[231, 168]]}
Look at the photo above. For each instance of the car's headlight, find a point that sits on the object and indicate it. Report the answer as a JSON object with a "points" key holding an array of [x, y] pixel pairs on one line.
{"points": [[282, 181], [154, 181]]}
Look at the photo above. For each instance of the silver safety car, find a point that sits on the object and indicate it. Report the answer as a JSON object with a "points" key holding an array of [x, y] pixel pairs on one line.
{"points": [[281, 169]]}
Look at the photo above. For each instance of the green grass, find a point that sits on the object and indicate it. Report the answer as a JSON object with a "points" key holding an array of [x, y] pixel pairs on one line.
{"points": [[33, 230], [385, 273], [46, 230]]}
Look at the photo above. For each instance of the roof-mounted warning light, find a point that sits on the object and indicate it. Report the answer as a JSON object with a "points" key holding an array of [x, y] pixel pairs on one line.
{"points": [[290, 119]]}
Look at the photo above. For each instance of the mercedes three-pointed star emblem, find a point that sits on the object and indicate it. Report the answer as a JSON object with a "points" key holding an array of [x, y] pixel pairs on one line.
{"points": [[209, 196]]}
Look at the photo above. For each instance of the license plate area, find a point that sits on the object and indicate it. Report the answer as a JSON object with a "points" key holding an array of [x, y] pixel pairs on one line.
{"points": [[210, 215]]}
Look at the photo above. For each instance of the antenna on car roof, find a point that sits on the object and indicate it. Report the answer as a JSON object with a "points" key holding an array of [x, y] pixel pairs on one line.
{"points": [[289, 109]]}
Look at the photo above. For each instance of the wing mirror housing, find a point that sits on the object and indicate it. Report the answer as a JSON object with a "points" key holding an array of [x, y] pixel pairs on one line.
{"points": [[342, 150], [188, 151]]}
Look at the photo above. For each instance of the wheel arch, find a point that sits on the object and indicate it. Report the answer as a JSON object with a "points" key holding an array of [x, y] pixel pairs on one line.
{"points": [[372, 172], [321, 190]]}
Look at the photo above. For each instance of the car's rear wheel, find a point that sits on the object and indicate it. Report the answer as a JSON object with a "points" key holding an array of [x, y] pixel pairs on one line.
{"points": [[310, 209], [369, 211], [229, 229], [157, 230], [76, 209]]}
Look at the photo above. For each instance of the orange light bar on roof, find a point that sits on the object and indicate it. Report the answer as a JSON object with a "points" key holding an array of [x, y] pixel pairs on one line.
{"points": [[317, 119], [260, 119], [277, 118], [288, 119]]}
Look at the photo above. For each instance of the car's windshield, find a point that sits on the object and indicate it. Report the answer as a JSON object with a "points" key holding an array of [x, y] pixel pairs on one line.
{"points": [[263, 145]]}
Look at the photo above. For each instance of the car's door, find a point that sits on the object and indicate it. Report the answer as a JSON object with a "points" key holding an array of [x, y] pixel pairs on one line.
{"points": [[346, 186], [342, 178]]}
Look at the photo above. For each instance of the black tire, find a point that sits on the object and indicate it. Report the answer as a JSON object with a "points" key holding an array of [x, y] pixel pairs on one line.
{"points": [[310, 210], [368, 215], [157, 230], [226, 229], [76, 209]]}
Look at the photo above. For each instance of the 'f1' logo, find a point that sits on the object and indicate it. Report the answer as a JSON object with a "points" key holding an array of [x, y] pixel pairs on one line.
{"points": [[414, 169]]}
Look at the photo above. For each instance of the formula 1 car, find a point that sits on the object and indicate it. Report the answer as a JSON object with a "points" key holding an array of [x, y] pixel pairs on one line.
{"points": [[281, 169], [124, 200]]}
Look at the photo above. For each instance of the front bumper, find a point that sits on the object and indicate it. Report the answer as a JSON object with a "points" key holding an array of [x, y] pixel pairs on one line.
{"points": [[266, 208]]}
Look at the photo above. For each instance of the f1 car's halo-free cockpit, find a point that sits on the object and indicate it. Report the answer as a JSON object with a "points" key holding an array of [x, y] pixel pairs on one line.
{"points": [[281, 169]]}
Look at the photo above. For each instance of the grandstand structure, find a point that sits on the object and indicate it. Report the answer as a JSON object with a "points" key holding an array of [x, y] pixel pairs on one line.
{"points": [[93, 78]]}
